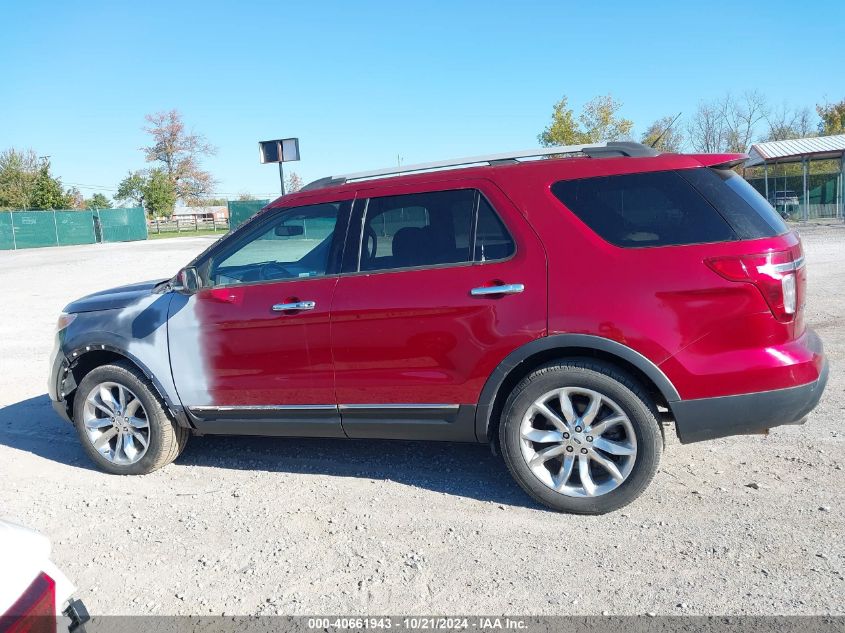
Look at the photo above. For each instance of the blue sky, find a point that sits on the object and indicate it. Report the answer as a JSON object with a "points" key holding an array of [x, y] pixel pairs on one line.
{"points": [[362, 82]]}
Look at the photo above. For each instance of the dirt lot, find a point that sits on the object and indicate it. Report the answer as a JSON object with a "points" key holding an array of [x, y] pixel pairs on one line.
{"points": [[248, 526]]}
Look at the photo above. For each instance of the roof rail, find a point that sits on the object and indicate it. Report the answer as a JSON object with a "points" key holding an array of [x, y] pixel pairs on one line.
{"points": [[593, 150]]}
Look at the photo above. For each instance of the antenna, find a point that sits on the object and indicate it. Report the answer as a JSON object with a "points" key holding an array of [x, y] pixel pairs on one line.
{"points": [[668, 127]]}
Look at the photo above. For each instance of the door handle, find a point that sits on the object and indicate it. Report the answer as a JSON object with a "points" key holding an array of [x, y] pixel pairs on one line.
{"points": [[296, 305], [504, 289]]}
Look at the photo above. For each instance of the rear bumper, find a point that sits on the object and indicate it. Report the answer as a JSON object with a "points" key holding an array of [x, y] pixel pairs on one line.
{"points": [[710, 418]]}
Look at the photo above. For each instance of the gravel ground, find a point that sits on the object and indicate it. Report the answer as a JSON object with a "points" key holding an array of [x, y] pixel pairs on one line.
{"points": [[256, 526]]}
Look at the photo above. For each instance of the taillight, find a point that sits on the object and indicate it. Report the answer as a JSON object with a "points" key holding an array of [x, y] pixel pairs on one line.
{"points": [[34, 611], [773, 273]]}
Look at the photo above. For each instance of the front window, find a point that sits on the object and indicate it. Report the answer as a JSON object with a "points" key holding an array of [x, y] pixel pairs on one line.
{"points": [[297, 244]]}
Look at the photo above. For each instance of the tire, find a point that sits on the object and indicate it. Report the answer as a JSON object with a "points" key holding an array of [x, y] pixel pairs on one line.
{"points": [[625, 433], [147, 421]]}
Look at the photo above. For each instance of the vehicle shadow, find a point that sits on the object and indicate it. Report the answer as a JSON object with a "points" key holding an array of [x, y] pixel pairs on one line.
{"points": [[466, 470]]}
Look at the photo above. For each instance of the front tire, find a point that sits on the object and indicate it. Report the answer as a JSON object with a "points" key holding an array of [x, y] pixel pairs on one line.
{"points": [[581, 436], [122, 424]]}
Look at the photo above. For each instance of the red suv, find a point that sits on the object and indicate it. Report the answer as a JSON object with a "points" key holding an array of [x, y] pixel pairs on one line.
{"points": [[559, 308]]}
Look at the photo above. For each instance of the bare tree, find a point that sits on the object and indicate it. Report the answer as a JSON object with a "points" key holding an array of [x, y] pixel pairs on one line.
{"points": [[706, 129], [293, 183], [787, 123], [180, 154], [742, 116]]}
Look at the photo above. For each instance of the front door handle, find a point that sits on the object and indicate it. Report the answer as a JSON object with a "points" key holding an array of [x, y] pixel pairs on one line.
{"points": [[504, 289], [296, 305]]}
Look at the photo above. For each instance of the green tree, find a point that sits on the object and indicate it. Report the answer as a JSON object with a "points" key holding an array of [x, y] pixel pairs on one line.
{"points": [[98, 201], [151, 189], [599, 121], [131, 188], [47, 192], [671, 139], [159, 194], [832, 118]]}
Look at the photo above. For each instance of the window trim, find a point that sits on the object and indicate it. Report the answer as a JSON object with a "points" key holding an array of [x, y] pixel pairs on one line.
{"points": [[359, 216], [228, 247]]}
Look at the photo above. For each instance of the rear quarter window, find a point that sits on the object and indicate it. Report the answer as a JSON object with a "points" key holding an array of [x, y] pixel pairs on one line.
{"points": [[646, 209], [690, 206]]}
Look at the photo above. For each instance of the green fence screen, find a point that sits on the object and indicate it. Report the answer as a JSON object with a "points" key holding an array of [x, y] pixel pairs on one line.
{"points": [[121, 225], [7, 242], [75, 227], [34, 228], [242, 210], [30, 229]]}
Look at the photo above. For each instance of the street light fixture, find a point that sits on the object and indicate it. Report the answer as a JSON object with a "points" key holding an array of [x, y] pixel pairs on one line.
{"points": [[279, 151]]}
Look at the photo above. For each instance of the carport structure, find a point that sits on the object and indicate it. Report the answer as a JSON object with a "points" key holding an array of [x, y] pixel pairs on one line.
{"points": [[803, 178]]}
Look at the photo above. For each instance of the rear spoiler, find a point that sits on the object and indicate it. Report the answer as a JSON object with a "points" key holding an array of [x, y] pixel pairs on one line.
{"points": [[720, 161]]}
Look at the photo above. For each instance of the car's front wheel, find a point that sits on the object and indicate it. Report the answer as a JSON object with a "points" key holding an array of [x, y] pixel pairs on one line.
{"points": [[122, 424], [580, 436]]}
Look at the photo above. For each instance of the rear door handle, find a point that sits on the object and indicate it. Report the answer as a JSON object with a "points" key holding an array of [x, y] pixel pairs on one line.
{"points": [[505, 289], [297, 305]]}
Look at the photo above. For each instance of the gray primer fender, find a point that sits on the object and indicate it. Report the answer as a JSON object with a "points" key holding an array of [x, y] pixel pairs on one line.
{"points": [[137, 331], [562, 342]]}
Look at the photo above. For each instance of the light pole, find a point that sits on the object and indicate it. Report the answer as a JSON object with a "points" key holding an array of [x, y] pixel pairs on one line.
{"points": [[279, 151]]}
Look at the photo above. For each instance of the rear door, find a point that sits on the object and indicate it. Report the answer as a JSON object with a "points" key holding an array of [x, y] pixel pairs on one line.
{"points": [[440, 283]]}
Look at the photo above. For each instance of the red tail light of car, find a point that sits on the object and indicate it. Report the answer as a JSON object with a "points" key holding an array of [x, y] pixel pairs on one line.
{"points": [[773, 273], [34, 611]]}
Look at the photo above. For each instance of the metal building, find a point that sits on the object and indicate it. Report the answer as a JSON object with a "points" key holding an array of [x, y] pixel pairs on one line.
{"points": [[802, 178]]}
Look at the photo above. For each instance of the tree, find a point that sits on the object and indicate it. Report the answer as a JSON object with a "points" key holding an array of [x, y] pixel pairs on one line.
{"points": [[293, 183], [151, 189], [47, 192], [244, 196], [832, 117], [179, 155], [208, 202], [17, 176], [159, 194], [665, 129], [728, 124], [98, 201], [786, 123], [741, 118], [27, 183], [599, 121], [131, 188], [706, 129]]}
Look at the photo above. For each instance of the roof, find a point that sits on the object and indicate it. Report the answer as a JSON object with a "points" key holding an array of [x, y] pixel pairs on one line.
{"points": [[528, 173], [795, 149]]}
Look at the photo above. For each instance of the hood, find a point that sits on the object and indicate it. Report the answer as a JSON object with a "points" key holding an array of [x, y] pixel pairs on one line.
{"points": [[113, 298]]}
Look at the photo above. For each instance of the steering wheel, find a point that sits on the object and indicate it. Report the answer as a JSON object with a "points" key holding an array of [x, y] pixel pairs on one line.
{"points": [[272, 271], [370, 243]]}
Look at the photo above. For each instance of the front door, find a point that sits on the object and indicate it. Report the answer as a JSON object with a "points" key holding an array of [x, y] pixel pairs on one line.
{"points": [[445, 283], [251, 352]]}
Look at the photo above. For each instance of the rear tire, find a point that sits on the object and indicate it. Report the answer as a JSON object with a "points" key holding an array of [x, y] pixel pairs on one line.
{"points": [[122, 424], [581, 436]]}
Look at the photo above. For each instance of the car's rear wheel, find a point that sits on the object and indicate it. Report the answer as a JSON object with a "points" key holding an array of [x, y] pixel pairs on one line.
{"points": [[581, 436], [122, 424]]}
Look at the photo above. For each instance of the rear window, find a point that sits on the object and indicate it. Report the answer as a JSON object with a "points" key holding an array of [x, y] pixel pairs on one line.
{"points": [[664, 208], [741, 205]]}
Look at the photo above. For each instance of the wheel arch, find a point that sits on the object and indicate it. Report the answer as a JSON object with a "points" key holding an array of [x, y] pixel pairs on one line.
{"points": [[83, 359], [525, 359]]}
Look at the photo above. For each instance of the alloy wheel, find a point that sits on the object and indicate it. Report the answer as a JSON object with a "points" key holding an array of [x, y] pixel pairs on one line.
{"points": [[116, 423], [578, 442]]}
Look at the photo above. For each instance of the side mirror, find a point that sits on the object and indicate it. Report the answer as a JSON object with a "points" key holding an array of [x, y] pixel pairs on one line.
{"points": [[189, 280], [284, 230]]}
